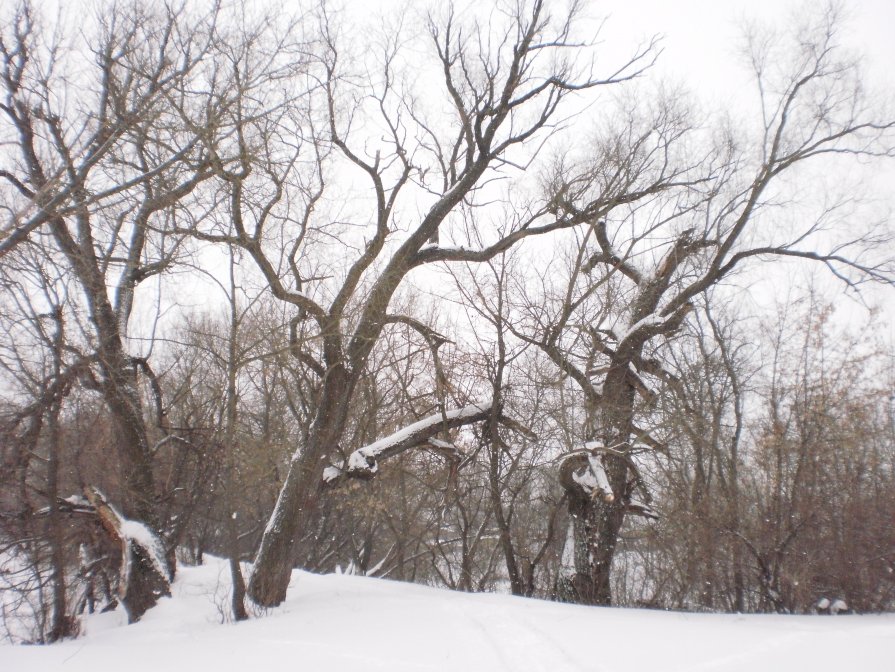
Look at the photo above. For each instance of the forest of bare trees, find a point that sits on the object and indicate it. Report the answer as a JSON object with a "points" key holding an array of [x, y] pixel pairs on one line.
{"points": [[450, 297]]}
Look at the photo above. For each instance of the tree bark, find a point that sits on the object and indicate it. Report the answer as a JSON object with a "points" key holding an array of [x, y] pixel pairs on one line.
{"points": [[300, 492], [143, 581], [597, 518], [596, 524]]}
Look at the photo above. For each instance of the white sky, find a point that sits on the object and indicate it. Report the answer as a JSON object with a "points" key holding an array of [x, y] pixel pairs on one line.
{"points": [[700, 35], [700, 38], [699, 44]]}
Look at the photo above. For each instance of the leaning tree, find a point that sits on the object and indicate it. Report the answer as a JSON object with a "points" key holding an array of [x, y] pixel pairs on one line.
{"points": [[433, 151]]}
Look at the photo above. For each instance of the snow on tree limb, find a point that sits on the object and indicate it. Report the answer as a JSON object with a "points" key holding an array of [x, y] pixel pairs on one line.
{"points": [[584, 468], [138, 590], [364, 462], [592, 480], [332, 474], [653, 320], [135, 532]]}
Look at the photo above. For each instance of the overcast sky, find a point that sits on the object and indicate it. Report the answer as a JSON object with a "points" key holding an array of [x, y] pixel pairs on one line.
{"points": [[700, 36], [700, 39]]}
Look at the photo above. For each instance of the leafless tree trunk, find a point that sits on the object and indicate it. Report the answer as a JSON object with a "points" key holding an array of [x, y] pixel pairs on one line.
{"points": [[711, 230], [88, 174], [507, 109]]}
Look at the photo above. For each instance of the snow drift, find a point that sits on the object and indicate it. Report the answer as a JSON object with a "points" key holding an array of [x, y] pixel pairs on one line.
{"points": [[339, 622]]}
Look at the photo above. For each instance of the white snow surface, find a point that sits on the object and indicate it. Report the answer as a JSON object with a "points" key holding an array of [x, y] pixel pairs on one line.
{"points": [[337, 622]]}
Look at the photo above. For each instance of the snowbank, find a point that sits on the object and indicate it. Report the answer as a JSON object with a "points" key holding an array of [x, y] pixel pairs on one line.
{"points": [[350, 623]]}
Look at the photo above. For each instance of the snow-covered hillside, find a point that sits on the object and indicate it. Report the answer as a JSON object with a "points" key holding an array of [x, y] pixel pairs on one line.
{"points": [[353, 623]]}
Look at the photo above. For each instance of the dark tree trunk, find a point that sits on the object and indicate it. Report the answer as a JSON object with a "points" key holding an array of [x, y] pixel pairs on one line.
{"points": [[119, 378], [62, 625], [300, 492], [145, 584], [233, 365], [517, 584], [597, 518], [143, 581], [596, 524], [239, 586]]}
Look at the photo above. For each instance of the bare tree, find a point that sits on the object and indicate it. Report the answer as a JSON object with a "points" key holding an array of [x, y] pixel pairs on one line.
{"points": [[504, 95], [349, 182], [35, 361], [683, 244], [98, 170]]}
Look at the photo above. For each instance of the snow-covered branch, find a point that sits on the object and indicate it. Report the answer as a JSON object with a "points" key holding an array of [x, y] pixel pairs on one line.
{"points": [[364, 462], [145, 575], [584, 468]]}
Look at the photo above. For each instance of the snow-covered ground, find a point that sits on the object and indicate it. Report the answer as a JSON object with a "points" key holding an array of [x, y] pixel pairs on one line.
{"points": [[353, 623]]}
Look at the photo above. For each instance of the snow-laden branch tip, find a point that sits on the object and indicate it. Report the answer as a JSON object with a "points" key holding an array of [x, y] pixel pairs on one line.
{"points": [[363, 462]]}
